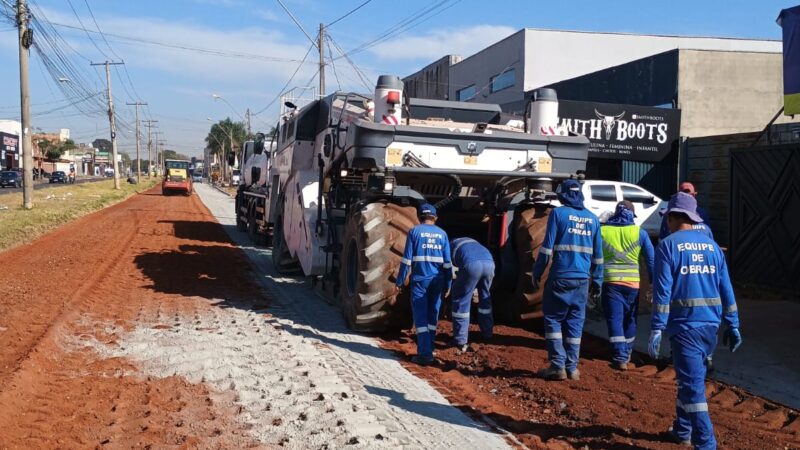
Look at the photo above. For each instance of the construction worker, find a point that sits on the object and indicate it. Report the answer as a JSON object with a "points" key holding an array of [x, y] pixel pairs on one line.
{"points": [[623, 243], [474, 268], [692, 294], [574, 243], [688, 188], [427, 257]]}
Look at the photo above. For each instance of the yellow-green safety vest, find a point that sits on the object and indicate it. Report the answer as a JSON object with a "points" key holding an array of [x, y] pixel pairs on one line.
{"points": [[621, 252]]}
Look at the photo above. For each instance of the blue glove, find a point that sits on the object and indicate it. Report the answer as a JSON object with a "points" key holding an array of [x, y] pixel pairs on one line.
{"points": [[654, 345], [732, 338]]}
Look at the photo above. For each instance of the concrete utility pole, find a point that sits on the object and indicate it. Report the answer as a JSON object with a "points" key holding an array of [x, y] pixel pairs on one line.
{"points": [[25, 42], [138, 159], [321, 47], [247, 116], [111, 120], [150, 126], [161, 145], [157, 165]]}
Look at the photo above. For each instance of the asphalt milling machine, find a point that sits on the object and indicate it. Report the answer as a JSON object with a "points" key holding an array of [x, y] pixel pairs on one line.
{"points": [[336, 188]]}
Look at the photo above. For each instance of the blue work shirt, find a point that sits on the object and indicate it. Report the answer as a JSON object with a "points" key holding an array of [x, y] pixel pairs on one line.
{"points": [[464, 250], [691, 287], [427, 255], [574, 242], [702, 227]]}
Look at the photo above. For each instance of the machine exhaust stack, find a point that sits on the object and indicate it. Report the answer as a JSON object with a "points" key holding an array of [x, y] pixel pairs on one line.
{"points": [[544, 112], [389, 100]]}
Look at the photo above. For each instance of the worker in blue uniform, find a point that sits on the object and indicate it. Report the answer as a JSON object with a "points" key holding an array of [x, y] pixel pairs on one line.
{"points": [[623, 244], [573, 241], [704, 227], [474, 268], [427, 257], [692, 295]]}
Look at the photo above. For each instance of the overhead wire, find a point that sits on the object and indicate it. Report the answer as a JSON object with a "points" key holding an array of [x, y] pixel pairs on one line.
{"points": [[288, 82], [347, 14]]}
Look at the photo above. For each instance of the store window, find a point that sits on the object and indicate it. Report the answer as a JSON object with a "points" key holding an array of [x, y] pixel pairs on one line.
{"points": [[504, 80]]}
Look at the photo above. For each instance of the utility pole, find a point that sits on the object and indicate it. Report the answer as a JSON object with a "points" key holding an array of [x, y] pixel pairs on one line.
{"points": [[155, 151], [247, 116], [150, 126], [111, 120], [25, 42], [321, 47], [138, 159], [161, 145]]}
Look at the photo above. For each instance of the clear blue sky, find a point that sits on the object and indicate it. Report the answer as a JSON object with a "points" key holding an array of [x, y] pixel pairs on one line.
{"points": [[263, 47]]}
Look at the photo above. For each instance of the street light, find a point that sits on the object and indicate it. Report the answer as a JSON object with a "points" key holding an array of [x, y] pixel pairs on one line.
{"points": [[219, 97]]}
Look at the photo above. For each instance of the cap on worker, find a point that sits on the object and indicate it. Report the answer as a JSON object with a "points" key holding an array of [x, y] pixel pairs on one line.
{"points": [[688, 188], [686, 204], [626, 204], [427, 210], [570, 185]]}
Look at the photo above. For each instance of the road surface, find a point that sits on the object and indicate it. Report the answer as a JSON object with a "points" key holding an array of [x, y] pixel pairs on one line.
{"points": [[154, 324], [46, 185]]}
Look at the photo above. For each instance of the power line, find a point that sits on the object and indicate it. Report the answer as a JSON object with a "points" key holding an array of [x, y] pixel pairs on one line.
{"points": [[215, 52], [283, 89], [348, 13], [296, 22], [333, 64]]}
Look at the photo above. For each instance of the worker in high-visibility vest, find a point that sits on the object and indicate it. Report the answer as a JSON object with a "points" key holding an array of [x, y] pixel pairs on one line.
{"points": [[623, 243]]}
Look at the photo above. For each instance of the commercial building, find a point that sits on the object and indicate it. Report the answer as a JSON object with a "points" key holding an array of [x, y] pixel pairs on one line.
{"points": [[720, 85], [10, 144]]}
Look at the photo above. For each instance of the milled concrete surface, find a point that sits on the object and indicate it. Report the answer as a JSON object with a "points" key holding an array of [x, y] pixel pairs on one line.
{"points": [[307, 343]]}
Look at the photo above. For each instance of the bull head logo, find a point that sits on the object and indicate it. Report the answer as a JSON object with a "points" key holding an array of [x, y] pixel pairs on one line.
{"points": [[609, 122]]}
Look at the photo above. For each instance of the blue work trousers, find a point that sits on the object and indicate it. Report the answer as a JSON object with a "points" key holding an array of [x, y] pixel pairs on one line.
{"points": [[474, 274], [689, 351], [426, 299], [564, 307], [620, 306]]}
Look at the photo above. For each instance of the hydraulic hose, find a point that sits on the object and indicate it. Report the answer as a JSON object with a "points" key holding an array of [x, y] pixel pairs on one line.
{"points": [[454, 193]]}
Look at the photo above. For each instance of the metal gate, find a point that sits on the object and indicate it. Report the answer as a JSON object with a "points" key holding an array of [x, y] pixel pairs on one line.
{"points": [[765, 216]]}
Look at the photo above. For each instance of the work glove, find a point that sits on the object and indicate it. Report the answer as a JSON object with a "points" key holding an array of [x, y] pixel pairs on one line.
{"points": [[654, 346], [594, 293], [732, 338]]}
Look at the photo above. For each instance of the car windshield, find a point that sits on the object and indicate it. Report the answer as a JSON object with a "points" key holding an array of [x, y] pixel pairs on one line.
{"points": [[58, 174], [236, 172], [8, 174], [177, 165]]}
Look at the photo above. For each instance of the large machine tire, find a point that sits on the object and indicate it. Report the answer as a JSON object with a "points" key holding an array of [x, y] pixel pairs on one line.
{"points": [[373, 245], [282, 260], [529, 232], [252, 230]]}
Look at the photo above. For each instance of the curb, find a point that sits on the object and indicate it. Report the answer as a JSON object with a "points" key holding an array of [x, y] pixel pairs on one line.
{"points": [[220, 189]]}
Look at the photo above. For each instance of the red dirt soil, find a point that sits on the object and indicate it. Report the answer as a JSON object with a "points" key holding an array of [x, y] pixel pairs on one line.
{"points": [[606, 409], [137, 262]]}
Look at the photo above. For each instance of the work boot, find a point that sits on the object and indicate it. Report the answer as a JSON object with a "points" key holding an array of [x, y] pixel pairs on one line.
{"points": [[574, 375], [621, 366], [674, 438], [553, 373], [422, 360]]}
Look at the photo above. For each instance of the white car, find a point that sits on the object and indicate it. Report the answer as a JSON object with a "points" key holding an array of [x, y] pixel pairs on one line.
{"points": [[601, 198]]}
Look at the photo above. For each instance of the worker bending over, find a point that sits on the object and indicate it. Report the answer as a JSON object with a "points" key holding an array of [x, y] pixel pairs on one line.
{"points": [[573, 241], [623, 243], [427, 256], [474, 267], [692, 294]]}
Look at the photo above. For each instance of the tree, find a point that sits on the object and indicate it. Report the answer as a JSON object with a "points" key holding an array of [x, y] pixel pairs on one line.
{"points": [[104, 145], [219, 136], [172, 154]]}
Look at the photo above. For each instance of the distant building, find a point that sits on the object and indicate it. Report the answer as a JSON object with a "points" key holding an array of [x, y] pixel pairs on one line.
{"points": [[432, 81]]}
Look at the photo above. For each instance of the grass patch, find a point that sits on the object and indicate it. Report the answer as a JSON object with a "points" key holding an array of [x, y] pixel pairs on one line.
{"points": [[56, 206]]}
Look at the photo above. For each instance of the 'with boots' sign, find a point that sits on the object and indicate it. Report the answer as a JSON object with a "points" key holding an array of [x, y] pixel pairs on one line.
{"points": [[636, 133]]}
